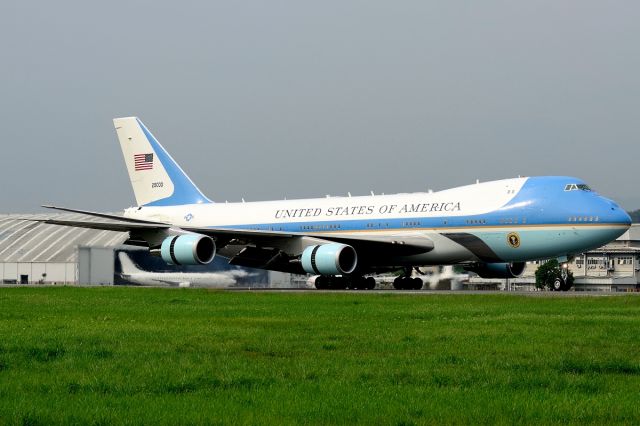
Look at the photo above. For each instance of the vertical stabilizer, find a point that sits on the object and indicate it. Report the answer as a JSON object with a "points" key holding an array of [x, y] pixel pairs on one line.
{"points": [[128, 267], [156, 178]]}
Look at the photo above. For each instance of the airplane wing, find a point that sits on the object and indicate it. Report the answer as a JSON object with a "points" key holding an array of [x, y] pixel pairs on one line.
{"points": [[113, 222], [101, 215], [268, 244]]}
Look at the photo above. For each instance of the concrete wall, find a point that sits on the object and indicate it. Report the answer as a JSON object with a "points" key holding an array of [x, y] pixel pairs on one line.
{"points": [[95, 265]]}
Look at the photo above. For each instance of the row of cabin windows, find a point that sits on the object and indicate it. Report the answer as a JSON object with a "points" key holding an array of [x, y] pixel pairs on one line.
{"points": [[476, 221], [410, 224], [512, 220], [503, 221], [320, 227], [584, 219]]}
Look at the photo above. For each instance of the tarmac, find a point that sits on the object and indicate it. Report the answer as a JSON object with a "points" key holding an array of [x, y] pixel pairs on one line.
{"points": [[561, 294]]}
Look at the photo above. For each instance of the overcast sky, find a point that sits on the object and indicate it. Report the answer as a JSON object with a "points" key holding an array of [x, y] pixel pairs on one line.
{"points": [[272, 99]]}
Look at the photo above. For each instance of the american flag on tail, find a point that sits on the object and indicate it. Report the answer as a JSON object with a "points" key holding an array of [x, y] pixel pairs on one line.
{"points": [[143, 162]]}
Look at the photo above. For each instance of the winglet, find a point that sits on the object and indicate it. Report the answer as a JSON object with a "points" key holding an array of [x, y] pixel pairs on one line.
{"points": [[156, 178]]}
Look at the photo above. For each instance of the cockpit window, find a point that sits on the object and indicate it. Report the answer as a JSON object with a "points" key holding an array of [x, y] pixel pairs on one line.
{"points": [[577, 187]]}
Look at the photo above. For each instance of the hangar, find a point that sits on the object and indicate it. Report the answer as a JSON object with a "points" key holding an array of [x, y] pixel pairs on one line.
{"points": [[37, 253]]}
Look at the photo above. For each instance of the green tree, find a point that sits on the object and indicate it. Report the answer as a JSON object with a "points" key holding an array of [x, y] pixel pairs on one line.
{"points": [[548, 274], [635, 216]]}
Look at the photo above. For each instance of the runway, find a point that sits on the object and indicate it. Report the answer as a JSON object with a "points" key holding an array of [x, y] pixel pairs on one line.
{"points": [[312, 291], [436, 292]]}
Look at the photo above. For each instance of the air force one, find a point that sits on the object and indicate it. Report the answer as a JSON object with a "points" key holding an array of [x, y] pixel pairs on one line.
{"points": [[490, 228]]}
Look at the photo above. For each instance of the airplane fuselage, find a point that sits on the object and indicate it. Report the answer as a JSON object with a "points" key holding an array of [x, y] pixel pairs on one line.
{"points": [[509, 220]]}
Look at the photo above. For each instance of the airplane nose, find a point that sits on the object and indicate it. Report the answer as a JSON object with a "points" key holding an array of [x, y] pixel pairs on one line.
{"points": [[617, 214], [625, 218]]}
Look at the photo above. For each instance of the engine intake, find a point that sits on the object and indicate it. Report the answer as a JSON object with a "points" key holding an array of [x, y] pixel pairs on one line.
{"points": [[190, 249], [329, 259], [498, 270]]}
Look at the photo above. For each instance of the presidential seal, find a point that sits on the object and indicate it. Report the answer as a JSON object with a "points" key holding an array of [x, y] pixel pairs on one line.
{"points": [[513, 239]]}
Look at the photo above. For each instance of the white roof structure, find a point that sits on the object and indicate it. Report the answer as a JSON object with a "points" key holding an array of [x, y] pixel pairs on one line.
{"points": [[632, 234], [25, 241]]}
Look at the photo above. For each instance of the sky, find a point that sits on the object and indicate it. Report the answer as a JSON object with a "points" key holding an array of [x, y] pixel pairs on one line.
{"points": [[266, 100]]}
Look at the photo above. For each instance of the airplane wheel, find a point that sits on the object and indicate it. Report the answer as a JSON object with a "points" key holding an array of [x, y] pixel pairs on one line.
{"points": [[406, 283], [558, 284], [370, 283], [322, 283], [398, 283], [417, 284]]}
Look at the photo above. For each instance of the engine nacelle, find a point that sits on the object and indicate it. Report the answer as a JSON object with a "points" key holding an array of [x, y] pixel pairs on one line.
{"points": [[329, 259], [189, 249], [498, 270]]}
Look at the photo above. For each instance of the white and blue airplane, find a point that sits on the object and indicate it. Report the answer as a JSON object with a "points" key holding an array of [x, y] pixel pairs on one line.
{"points": [[134, 275], [490, 228]]}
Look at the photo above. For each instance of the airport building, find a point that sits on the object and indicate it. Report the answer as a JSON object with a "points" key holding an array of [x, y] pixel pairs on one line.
{"points": [[37, 253]]}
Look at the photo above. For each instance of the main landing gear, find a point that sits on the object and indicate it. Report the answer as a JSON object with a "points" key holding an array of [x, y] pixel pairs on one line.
{"points": [[342, 283], [407, 283]]}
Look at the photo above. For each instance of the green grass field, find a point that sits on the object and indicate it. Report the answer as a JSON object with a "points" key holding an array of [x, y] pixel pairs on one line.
{"points": [[184, 356]]}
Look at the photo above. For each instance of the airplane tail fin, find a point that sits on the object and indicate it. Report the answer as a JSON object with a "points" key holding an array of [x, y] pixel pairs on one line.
{"points": [[128, 267], [156, 178]]}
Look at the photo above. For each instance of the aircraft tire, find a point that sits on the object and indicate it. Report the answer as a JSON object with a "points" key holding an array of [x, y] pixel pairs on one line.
{"points": [[370, 283], [416, 284], [321, 283], [407, 283], [558, 284], [398, 283]]}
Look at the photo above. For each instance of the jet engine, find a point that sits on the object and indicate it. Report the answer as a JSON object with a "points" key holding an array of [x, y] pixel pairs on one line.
{"points": [[498, 270], [329, 259], [189, 249]]}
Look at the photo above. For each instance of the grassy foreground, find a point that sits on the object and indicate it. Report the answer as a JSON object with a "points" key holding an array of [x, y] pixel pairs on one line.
{"points": [[183, 356]]}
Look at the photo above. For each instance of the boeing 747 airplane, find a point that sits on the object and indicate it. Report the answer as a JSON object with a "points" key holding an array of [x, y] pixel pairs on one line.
{"points": [[490, 228]]}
